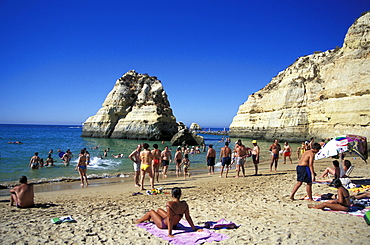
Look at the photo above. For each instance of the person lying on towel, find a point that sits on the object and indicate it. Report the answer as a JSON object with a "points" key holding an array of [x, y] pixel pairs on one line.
{"points": [[176, 209]]}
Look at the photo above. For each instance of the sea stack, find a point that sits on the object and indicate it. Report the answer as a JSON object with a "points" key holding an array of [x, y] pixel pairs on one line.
{"points": [[136, 108], [322, 95]]}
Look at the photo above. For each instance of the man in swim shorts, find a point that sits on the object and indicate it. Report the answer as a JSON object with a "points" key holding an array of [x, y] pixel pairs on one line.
{"points": [[166, 159], [210, 158], [240, 155], [225, 158], [135, 157], [22, 195], [305, 171], [287, 152], [145, 166], [255, 156], [275, 148], [178, 160], [34, 161]]}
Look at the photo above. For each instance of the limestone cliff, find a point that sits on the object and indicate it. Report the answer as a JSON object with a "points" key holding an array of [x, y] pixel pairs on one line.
{"points": [[322, 95], [136, 108]]}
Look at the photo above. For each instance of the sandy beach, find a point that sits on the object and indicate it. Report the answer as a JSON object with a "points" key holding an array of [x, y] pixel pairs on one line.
{"points": [[260, 204]]}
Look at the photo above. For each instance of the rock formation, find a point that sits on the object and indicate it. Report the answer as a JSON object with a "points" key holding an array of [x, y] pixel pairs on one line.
{"points": [[322, 95], [195, 126], [186, 137], [136, 108]]}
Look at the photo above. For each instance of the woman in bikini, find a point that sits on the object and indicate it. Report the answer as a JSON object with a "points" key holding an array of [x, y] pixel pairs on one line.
{"points": [[342, 202], [176, 209], [145, 166], [82, 167]]}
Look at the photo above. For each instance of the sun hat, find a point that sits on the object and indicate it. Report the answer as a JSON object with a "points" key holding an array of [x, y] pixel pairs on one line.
{"points": [[254, 142]]}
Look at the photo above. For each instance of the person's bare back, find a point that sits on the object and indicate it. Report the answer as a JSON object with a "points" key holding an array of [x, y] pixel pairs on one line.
{"points": [[22, 195]]}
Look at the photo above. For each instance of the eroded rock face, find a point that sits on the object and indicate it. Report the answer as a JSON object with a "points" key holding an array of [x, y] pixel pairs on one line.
{"points": [[195, 126], [186, 137], [320, 95], [136, 108]]}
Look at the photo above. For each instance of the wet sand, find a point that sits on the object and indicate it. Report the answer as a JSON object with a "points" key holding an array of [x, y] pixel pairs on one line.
{"points": [[260, 204]]}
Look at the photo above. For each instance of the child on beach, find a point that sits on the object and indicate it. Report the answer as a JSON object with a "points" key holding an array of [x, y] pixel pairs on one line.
{"points": [[186, 163], [82, 167]]}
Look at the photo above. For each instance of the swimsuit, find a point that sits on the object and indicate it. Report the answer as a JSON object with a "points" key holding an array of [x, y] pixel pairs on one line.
{"points": [[155, 161], [226, 161], [82, 166], [178, 161], [304, 174], [211, 161], [254, 158], [287, 154], [136, 167], [165, 162], [240, 161], [144, 166]]}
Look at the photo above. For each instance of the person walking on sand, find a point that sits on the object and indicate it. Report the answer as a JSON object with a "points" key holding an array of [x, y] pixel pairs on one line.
{"points": [[210, 158], [240, 155], [305, 171], [82, 167], [166, 159], [135, 158], [275, 148], [22, 195], [225, 158], [287, 152], [156, 154], [34, 161], [255, 156], [146, 166], [178, 160]]}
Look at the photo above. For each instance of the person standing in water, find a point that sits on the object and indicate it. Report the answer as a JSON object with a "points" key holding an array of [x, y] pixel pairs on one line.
{"points": [[210, 158], [156, 154], [166, 157], [146, 166], [255, 156], [225, 158], [135, 157]]}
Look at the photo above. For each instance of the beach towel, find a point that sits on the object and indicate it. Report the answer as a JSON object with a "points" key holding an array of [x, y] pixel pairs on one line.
{"points": [[62, 219], [221, 224], [184, 234], [353, 210]]}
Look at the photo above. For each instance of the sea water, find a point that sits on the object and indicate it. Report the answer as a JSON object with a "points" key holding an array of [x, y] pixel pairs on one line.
{"points": [[14, 158]]}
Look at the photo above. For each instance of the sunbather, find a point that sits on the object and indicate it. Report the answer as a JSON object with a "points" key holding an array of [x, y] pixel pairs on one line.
{"points": [[342, 202], [175, 211], [363, 195]]}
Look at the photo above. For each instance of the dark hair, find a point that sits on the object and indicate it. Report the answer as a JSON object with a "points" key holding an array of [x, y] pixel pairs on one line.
{"points": [[82, 151], [337, 183], [36, 153], [155, 146], [145, 146], [347, 163], [23, 179], [316, 146], [186, 156], [210, 146], [227, 143], [336, 163], [176, 192]]}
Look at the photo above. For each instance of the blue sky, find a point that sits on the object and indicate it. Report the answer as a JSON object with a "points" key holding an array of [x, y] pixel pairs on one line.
{"points": [[60, 59]]}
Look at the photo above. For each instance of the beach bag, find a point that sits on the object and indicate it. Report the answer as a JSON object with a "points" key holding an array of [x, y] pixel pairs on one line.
{"points": [[367, 217], [327, 196]]}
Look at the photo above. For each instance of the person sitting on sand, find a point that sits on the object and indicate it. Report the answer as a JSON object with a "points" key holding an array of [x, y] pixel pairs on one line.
{"points": [[22, 195], [176, 209], [342, 202]]}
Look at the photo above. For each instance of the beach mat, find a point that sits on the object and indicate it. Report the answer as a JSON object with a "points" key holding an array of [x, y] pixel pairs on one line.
{"points": [[184, 234]]}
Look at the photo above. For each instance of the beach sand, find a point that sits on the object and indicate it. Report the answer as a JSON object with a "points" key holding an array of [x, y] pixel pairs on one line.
{"points": [[260, 204]]}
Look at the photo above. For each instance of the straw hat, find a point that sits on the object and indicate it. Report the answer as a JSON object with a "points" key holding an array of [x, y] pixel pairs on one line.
{"points": [[254, 142]]}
